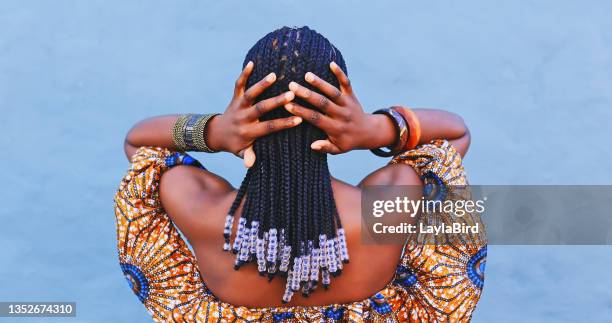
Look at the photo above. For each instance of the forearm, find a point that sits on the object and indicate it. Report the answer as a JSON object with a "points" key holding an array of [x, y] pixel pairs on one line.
{"points": [[155, 131], [440, 124], [435, 124]]}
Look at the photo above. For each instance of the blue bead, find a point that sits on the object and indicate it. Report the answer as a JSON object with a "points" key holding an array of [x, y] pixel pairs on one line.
{"points": [[188, 160]]}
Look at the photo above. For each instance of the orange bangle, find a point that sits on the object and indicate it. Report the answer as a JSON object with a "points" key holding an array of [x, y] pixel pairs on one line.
{"points": [[414, 126]]}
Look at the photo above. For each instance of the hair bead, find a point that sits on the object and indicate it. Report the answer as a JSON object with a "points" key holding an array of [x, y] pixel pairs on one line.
{"points": [[288, 291], [343, 248], [253, 237], [285, 259], [227, 230], [295, 277], [331, 260], [325, 278], [314, 266], [261, 257], [239, 234]]}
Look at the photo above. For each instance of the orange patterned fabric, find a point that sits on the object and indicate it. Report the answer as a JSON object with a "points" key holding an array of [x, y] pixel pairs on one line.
{"points": [[432, 283]]}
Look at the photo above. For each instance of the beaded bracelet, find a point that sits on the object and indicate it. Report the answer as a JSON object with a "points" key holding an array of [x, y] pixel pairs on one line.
{"points": [[402, 133], [188, 132]]}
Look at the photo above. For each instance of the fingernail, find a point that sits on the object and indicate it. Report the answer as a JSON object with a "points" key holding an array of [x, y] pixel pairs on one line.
{"points": [[333, 65], [289, 107], [309, 77], [249, 64], [293, 86], [315, 146], [297, 120], [271, 77], [289, 96]]}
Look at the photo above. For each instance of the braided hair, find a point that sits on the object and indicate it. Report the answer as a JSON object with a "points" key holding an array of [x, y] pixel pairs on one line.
{"points": [[289, 223]]}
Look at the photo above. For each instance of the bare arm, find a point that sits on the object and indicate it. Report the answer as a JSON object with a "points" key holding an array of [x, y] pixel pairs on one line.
{"points": [[156, 131]]}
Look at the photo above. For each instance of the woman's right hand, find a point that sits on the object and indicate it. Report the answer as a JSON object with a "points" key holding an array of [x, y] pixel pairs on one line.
{"points": [[342, 117], [237, 128]]}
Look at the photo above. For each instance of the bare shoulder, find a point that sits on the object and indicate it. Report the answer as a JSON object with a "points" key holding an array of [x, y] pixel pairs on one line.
{"points": [[395, 174], [189, 193]]}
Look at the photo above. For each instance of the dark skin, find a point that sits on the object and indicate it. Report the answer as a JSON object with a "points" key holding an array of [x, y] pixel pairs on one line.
{"points": [[197, 201]]}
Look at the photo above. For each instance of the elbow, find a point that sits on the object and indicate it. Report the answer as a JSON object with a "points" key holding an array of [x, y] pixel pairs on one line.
{"points": [[130, 137], [462, 144], [128, 145], [461, 138], [460, 129]]}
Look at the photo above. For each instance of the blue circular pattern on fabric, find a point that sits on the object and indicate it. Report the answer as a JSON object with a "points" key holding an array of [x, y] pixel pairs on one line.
{"points": [[405, 276], [433, 187], [334, 314], [136, 280], [282, 316], [476, 267], [380, 305]]}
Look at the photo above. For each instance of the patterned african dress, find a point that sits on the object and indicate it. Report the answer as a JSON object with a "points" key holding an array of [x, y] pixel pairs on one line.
{"points": [[433, 283]]}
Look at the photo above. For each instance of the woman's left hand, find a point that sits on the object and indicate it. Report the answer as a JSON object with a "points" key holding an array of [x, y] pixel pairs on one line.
{"points": [[237, 128], [340, 115]]}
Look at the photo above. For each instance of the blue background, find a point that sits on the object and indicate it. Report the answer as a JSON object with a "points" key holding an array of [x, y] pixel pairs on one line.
{"points": [[531, 78]]}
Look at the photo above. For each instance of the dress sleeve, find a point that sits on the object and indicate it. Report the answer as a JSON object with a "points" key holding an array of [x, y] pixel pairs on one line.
{"points": [[156, 262], [444, 276]]}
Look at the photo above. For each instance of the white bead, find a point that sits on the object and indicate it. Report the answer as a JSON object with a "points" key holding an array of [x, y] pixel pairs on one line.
{"points": [[229, 220], [239, 233], [295, 278], [272, 246], [305, 275], [325, 277], [253, 237], [331, 260], [288, 291], [284, 266], [323, 247], [314, 266]]}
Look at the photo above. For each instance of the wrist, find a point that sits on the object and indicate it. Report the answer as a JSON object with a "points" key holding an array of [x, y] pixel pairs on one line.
{"points": [[214, 139], [381, 131]]}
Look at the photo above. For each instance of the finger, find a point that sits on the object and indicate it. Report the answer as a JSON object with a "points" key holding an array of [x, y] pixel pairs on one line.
{"points": [[313, 117], [325, 146], [328, 90], [267, 127], [248, 156], [314, 98], [242, 79], [345, 83], [264, 106], [254, 91]]}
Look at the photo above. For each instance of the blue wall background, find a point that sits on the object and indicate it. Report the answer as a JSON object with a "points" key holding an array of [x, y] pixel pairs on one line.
{"points": [[531, 78]]}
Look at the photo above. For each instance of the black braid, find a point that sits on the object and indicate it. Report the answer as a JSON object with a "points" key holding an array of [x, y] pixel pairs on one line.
{"points": [[289, 187]]}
